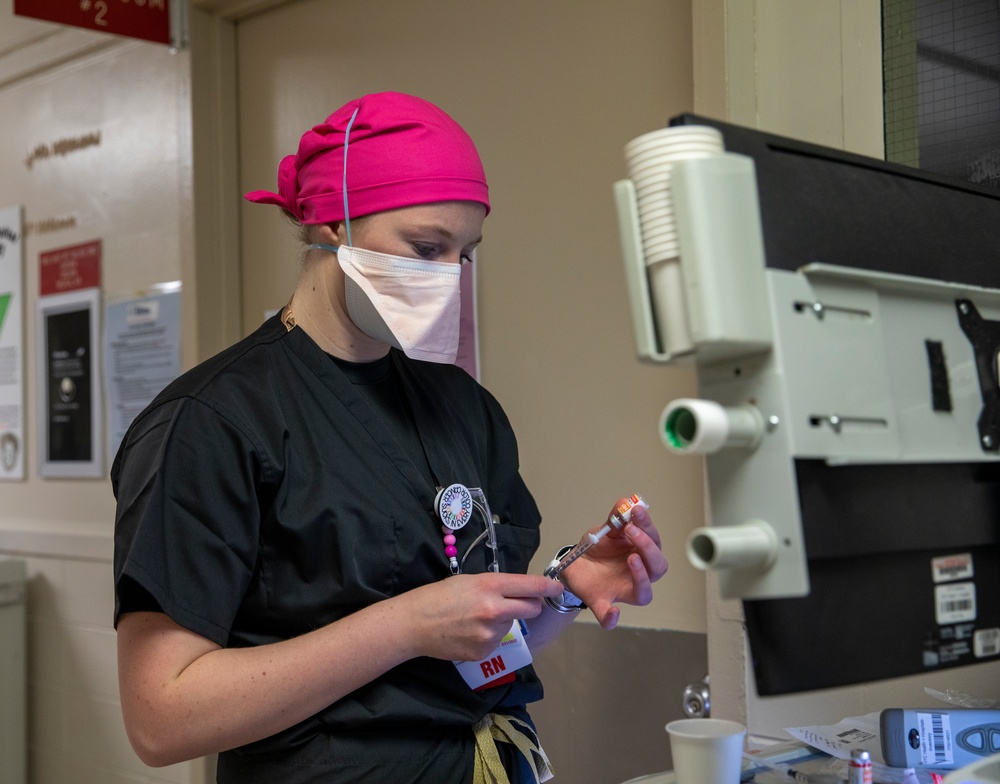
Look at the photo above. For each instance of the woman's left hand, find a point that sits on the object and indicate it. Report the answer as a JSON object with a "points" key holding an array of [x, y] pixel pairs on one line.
{"points": [[622, 567]]}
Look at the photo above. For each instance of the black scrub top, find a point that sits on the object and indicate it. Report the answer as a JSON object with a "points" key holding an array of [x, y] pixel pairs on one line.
{"points": [[261, 496]]}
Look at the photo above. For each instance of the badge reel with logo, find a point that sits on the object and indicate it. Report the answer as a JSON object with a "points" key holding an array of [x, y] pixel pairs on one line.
{"points": [[456, 505]]}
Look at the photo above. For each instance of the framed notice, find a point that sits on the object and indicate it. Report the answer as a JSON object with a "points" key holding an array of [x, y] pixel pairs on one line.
{"points": [[70, 400], [11, 345], [142, 354]]}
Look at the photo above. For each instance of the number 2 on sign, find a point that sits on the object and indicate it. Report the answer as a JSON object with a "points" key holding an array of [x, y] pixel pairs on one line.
{"points": [[100, 9]]}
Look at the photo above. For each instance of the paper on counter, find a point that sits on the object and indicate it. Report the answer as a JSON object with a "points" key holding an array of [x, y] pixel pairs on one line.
{"points": [[838, 740]]}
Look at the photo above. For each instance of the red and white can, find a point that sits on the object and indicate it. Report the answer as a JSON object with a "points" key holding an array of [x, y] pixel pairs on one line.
{"points": [[859, 769]]}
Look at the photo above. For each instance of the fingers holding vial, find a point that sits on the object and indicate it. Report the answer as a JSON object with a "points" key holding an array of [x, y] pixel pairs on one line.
{"points": [[646, 539], [616, 562]]}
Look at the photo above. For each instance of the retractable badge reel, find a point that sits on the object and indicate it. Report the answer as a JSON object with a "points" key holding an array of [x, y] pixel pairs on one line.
{"points": [[455, 505]]}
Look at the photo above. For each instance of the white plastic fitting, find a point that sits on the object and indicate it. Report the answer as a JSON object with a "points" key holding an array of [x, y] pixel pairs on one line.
{"points": [[693, 426], [751, 545]]}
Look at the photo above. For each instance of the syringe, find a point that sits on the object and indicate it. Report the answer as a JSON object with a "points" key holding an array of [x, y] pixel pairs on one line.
{"points": [[617, 519]]}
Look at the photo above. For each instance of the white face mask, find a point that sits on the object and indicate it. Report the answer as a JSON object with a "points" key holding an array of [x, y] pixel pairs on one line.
{"points": [[411, 304]]}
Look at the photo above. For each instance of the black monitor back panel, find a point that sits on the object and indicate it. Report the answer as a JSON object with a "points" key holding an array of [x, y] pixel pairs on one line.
{"points": [[873, 531]]}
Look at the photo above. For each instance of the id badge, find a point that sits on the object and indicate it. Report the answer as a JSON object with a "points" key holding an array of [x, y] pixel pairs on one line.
{"points": [[510, 655]]}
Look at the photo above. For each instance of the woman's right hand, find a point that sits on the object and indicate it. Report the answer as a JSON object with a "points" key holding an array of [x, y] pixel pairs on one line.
{"points": [[183, 696], [464, 617]]}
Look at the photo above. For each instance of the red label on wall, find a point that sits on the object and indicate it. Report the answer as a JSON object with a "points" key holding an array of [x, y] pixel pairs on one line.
{"points": [[145, 19], [70, 269]]}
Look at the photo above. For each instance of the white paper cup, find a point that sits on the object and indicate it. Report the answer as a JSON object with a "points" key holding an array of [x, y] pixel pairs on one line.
{"points": [[638, 164], [650, 159], [660, 168], [666, 136], [664, 253], [707, 751], [658, 205], [657, 219], [637, 159], [653, 187], [656, 202], [662, 248], [667, 233]]}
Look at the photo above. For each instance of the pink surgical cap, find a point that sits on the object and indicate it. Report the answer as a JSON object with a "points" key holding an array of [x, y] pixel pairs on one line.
{"points": [[401, 151]]}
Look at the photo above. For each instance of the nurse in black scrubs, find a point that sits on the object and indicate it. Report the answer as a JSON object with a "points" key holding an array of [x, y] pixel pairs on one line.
{"points": [[286, 594]]}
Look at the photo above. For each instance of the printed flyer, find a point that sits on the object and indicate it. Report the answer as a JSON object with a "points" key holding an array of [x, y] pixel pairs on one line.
{"points": [[11, 345]]}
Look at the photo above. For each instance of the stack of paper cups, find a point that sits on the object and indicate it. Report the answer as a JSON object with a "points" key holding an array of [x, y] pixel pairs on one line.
{"points": [[650, 158]]}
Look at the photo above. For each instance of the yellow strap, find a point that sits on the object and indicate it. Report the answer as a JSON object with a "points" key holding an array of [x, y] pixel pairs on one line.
{"points": [[495, 727]]}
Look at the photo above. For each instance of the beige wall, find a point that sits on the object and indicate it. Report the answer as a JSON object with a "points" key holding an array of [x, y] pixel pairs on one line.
{"points": [[810, 71], [129, 191], [124, 191], [550, 92]]}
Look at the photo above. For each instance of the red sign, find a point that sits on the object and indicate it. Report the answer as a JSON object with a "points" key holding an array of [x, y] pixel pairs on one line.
{"points": [[70, 269], [149, 20]]}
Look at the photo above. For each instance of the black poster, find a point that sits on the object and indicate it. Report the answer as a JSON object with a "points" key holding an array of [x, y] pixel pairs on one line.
{"points": [[70, 386]]}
